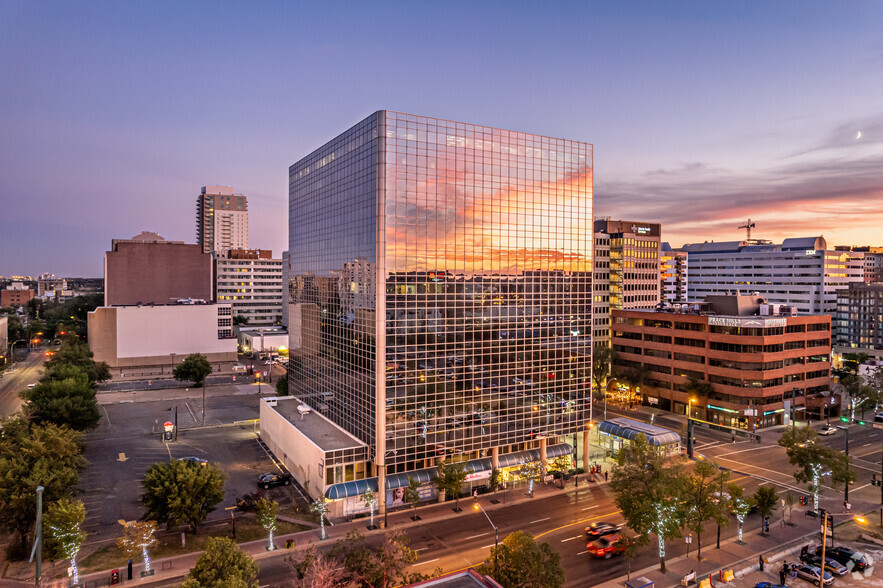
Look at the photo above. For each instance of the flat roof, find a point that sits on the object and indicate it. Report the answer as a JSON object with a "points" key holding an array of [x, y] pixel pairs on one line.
{"points": [[325, 434]]}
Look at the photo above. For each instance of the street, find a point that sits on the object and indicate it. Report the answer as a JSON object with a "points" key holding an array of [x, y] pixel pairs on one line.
{"points": [[27, 371]]}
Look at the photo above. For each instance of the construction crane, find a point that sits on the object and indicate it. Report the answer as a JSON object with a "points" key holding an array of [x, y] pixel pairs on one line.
{"points": [[748, 226]]}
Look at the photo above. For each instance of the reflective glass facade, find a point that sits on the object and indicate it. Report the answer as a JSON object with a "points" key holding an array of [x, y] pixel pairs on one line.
{"points": [[441, 286]]}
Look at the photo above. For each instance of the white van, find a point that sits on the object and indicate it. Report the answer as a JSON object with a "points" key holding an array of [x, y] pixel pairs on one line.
{"points": [[239, 368]]}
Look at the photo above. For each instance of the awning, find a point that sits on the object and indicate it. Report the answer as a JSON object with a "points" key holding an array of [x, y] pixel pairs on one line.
{"points": [[357, 487], [630, 429]]}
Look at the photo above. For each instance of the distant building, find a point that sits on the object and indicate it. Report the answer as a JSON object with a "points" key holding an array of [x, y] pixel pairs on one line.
{"points": [[147, 269], [802, 272], [755, 356], [159, 336], [286, 281], [859, 320], [16, 294], [4, 339], [250, 280], [674, 281], [626, 272], [221, 219], [873, 261], [47, 284]]}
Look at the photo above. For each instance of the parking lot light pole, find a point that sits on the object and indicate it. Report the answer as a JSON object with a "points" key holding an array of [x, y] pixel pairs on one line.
{"points": [[846, 485]]}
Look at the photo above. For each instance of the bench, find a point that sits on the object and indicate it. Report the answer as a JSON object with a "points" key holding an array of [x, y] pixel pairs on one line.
{"points": [[691, 577]]}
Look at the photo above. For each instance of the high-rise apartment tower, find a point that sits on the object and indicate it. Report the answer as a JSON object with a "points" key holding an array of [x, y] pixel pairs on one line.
{"points": [[221, 219]]}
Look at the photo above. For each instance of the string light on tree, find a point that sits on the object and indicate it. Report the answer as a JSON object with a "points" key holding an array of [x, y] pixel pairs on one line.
{"points": [[320, 507]]}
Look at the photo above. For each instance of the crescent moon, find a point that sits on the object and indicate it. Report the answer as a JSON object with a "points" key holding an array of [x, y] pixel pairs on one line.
{"points": [[858, 135]]}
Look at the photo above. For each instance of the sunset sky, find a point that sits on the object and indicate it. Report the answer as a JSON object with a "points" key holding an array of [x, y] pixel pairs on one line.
{"points": [[702, 114]]}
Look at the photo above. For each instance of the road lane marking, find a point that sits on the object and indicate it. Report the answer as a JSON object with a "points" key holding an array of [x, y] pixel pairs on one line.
{"points": [[591, 507], [539, 520], [420, 563], [422, 549], [857, 489], [867, 444], [581, 522], [570, 538], [582, 552], [476, 536], [487, 546]]}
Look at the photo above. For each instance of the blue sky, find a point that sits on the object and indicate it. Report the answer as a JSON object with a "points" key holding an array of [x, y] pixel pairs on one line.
{"points": [[702, 114]]}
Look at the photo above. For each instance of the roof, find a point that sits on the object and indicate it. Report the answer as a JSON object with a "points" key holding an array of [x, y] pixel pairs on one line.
{"points": [[630, 429], [357, 487], [712, 247], [464, 579], [805, 243]]}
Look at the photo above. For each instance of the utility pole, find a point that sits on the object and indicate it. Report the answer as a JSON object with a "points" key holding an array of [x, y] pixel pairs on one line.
{"points": [[38, 541]]}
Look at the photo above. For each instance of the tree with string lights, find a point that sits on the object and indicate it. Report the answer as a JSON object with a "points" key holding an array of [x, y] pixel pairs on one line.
{"points": [[266, 512], [64, 521], [138, 537]]}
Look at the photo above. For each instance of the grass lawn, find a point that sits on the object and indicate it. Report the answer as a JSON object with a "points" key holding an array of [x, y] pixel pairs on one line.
{"points": [[110, 556]]}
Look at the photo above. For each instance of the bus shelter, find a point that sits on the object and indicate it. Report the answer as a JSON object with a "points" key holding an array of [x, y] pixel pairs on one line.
{"points": [[615, 433]]}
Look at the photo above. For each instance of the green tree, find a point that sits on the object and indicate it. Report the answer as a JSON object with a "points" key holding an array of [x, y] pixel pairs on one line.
{"points": [[240, 320], [193, 369], [63, 524], [138, 537], [382, 567], [602, 366], [523, 563], [76, 352], [266, 510], [31, 456], [222, 565], [451, 475], [179, 492], [282, 386], [699, 502], [867, 393], [67, 397], [648, 491], [740, 505], [765, 498], [814, 460], [412, 496]]}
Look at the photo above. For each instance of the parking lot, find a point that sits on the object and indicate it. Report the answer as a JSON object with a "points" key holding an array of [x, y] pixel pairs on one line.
{"points": [[128, 441]]}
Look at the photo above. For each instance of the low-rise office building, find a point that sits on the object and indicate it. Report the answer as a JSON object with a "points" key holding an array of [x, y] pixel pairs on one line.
{"points": [[251, 281], [16, 294], [760, 359], [159, 336]]}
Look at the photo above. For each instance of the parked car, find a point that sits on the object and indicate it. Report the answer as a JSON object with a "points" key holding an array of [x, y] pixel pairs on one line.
{"points": [[848, 557], [278, 479], [768, 585], [599, 529], [194, 460], [607, 546], [831, 565], [812, 574], [827, 430]]}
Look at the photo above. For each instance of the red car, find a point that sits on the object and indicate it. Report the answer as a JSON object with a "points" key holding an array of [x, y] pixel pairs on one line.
{"points": [[607, 546]]}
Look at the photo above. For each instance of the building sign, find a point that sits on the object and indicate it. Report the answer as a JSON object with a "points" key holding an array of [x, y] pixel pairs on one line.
{"points": [[722, 321], [713, 407], [478, 476]]}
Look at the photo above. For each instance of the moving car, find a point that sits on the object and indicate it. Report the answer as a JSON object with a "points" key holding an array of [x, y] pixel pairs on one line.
{"points": [[831, 565], [279, 479], [599, 529], [846, 556], [607, 546], [827, 430], [812, 574], [194, 460]]}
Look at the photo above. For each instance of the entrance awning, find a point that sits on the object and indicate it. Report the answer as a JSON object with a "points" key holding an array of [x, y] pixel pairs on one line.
{"points": [[357, 487], [630, 429]]}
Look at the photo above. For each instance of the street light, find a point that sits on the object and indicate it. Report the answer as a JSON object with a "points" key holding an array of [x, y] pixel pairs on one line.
{"points": [[846, 485], [477, 506], [12, 350]]}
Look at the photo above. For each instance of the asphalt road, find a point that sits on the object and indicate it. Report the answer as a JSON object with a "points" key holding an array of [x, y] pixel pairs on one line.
{"points": [[27, 371]]}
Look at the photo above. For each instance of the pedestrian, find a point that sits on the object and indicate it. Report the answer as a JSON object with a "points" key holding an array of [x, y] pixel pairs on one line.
{"points": [[605, 476], [734, 437], [793, 571], [782, 575], [760, 562]]}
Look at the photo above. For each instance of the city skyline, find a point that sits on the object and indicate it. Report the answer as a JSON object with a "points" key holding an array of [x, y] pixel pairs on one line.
{"points": [[702, 116]]}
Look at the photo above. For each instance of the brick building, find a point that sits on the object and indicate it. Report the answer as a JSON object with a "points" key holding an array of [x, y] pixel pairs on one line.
{"points": [[755, 356]]}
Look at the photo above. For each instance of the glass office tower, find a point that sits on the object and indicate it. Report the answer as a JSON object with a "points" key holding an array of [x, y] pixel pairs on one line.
{"points": [[441, 287]]}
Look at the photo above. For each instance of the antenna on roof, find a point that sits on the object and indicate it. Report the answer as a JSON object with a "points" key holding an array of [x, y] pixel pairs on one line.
{"points": [[748, 226]]}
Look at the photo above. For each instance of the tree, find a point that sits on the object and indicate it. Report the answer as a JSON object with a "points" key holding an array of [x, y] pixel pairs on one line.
{"points": [[648, 491], [522, 563], [138, 537], [869, 392], [320, 571], [383, 567], [76, 352], [699, 501], [31, 456], [814, 460], [282, 386], [451, 475], [240, 320], [195, 368], [179, 492], [529, 471], [63, 524], [222, 565], [495, 480], [65, 397], [739, 505], [412, 496], [602, 366], [765, 498], [266, 510], [369, 499]]}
